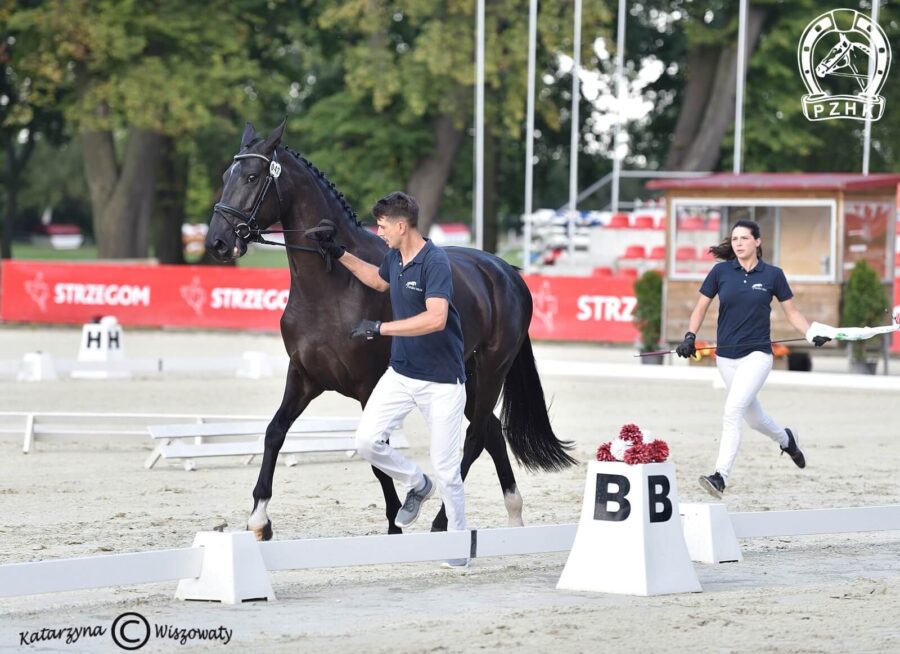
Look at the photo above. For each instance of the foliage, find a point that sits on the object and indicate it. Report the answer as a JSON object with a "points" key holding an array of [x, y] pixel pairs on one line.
{"points": [[864, 303], [648, 312]]}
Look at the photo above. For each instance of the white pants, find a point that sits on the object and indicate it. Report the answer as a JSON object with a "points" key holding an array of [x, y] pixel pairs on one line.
{"points": [[442, 405], [744, 378]]}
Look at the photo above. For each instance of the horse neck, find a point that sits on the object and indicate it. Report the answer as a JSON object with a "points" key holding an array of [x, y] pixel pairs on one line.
{"points": [[312, 200]]}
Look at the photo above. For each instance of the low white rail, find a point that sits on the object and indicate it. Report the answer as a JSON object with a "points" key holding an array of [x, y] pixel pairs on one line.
{"points": [[18, 579]]}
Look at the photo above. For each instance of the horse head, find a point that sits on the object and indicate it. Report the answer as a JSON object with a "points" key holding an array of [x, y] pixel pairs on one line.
{"points": [[838, 57], [304, 201], [248, 202]]}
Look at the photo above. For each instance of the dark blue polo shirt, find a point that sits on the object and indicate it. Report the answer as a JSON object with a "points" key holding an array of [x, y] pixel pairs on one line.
{"points": [[745, 305], [436, 357]]}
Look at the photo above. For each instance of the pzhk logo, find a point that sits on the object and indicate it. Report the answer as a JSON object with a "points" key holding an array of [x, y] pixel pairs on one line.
{"points": [[852, 41]]}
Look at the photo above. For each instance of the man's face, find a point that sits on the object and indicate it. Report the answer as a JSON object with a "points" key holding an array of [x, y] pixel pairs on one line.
{"points": [[390, 231]]}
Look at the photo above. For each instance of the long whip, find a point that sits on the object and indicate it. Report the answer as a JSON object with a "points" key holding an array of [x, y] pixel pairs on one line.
{"points": [[659, 353]]}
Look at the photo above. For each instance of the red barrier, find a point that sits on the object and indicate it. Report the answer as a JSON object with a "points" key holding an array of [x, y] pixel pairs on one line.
{"points": [[145, 295], [596, 308], [583, 308]]}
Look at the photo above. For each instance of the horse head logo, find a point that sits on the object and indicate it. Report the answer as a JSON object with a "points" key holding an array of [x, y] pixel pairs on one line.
{"points": [[546, 306], [194, 295], [39, 291], [862, 53]]}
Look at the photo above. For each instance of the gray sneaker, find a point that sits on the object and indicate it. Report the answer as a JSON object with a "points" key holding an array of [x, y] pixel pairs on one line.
{"points": [[409, 512], [455, 564]]}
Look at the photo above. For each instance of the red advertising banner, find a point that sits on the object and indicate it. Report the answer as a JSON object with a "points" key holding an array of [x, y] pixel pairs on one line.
{"points": [[565, 308], [583, 308], [895, 337], [145, 295]]}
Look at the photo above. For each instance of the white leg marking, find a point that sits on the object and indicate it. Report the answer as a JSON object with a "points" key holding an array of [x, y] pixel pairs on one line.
{"points": [[513, 503]]}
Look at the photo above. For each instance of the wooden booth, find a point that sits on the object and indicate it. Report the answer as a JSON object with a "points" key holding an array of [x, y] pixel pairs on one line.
{"points": [[815, 226]]}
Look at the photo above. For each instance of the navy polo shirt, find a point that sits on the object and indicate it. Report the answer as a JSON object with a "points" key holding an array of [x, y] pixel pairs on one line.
{"points": [[436, 357], [745, 305]]}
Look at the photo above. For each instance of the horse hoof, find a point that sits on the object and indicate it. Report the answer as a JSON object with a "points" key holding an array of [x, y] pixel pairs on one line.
{"points": [[394, 529], [435, 528], [264, 532]]}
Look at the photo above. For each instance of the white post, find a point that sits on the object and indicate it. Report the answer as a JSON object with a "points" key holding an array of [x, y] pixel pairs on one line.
{"points": [[620, 93], [867, 133], [739, 93], [479, 127], [529, 136], [576, 131]]}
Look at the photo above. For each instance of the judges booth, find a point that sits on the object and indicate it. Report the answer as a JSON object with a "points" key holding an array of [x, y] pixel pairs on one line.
{"points": [[814, 226]]}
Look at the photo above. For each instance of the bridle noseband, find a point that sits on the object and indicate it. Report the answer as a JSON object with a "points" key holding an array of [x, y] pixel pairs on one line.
{"points": [[248, 229]]}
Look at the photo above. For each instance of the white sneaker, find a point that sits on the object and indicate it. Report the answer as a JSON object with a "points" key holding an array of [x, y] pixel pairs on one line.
{"points": [[455, 564]]}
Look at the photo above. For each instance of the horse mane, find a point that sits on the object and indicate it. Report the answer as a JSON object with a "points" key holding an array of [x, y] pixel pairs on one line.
{"points": [[328, 184]]}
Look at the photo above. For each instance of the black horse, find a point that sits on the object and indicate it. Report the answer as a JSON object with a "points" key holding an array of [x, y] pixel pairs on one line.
{"points": [[268, 183]]}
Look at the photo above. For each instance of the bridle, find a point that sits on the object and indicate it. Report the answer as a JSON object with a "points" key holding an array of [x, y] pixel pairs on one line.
{"points": [[248, 230]]}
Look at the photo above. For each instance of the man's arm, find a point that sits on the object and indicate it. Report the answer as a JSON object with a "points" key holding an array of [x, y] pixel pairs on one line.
{"points": [[364, 272], [433, 319]]}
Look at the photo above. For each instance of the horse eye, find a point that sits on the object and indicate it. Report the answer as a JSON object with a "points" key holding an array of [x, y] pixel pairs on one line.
{"points": [[252, 178]]}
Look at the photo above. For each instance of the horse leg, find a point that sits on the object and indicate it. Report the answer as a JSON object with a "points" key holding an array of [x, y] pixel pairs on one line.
{"points": [[298, 392], [489, 435]]}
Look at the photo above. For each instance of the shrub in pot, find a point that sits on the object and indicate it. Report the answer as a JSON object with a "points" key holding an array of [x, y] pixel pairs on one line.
{"points": [[864, 303], [648, 312]]}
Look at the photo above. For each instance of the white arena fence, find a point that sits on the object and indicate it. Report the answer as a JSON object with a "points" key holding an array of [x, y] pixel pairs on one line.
{"points": [[32, 426], [18, 579]]}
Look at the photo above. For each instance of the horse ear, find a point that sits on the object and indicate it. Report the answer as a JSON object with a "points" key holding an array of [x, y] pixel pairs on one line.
{"points": [[274, 139], [248, 136]]}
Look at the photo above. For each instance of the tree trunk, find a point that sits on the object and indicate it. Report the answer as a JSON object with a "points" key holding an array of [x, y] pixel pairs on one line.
{"points": [[15, 163], [701, 69], [429, 177], [171, 189], [122, 200], [708, 110]]}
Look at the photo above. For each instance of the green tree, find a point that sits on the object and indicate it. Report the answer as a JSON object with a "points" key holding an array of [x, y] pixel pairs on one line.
{"points": [[136, 83], [406, 88]]}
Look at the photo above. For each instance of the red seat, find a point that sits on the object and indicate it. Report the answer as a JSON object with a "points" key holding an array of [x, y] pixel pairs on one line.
{"points": [[619, 221], [685, 253], [713, 224], [634, 252], [603, 271], [662, 223], [691, 222], [657, 253], [897, 260], [644, 221], [629, 272]]}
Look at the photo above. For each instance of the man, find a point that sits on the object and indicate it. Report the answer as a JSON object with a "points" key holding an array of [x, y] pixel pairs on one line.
{"points": [[427, 366]]}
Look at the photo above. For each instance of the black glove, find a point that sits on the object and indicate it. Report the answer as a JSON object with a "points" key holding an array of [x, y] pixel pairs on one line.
{"points": [[687, 348], [368, 328], [819, 341], [332, 249]]}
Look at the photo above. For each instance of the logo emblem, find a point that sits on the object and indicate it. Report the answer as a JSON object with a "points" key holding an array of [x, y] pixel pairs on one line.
{"points": [[836, 45], [546, 305], [274, 169], [194, 295], [413, 286], [39, 291]]}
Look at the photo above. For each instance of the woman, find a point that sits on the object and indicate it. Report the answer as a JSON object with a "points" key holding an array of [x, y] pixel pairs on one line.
{"points": [[745, 285]]}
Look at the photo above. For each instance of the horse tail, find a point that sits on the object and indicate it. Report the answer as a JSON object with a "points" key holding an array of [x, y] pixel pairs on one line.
{"points": [[524, 417]]}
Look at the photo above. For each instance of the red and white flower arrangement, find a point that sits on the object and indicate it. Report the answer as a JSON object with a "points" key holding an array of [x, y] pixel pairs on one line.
{"points": [[630, 447]]}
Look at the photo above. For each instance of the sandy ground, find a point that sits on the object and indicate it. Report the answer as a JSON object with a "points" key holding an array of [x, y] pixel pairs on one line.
{"points": [[90, 496]]}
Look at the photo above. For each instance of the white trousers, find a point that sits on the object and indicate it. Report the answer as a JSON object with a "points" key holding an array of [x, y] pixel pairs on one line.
{"points": [[744, 377], [442, 406]]}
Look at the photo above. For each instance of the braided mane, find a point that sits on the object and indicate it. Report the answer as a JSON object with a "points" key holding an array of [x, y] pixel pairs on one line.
{"points": [[328, 184]]}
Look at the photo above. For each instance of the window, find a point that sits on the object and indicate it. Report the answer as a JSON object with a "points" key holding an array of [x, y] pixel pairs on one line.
{"points": [[797, 235]]}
